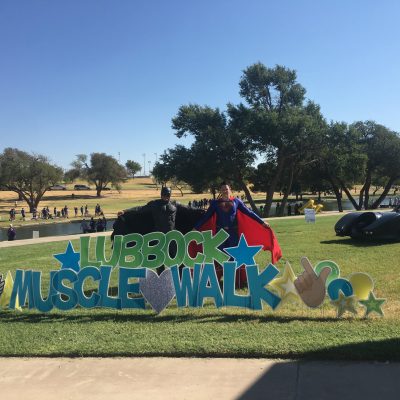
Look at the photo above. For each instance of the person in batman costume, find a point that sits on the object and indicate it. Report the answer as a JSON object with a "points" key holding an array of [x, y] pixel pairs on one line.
{"points": [[159, 215], [162, 211]]}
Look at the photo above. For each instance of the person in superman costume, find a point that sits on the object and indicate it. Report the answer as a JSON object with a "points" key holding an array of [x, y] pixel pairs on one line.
{"points": [[230, 213]]}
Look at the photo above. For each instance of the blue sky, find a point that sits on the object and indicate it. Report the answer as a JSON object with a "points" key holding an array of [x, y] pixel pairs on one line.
{"points": [[82, 76]]}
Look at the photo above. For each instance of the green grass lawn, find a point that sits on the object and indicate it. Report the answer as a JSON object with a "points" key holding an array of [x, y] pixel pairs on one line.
{"points": [[292, 331]]}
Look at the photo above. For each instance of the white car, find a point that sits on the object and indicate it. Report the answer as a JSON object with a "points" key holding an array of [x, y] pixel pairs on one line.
{"points": [[81, 187], [57, 187]]}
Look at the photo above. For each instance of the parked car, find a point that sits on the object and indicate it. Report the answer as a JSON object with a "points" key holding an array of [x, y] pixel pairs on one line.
{"points": [[81, 187], [370, 225], [57, 187]]}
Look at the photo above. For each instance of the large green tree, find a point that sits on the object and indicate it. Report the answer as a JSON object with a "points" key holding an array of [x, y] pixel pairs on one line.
{"points": [[221, 151], [282, 125], [381, 147], [133, 167], [342, 159], [101, 170], [28, 175], [173, 167]]}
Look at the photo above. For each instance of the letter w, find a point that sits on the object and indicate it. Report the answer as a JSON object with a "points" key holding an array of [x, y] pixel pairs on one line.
{"points": [[186, 288]]}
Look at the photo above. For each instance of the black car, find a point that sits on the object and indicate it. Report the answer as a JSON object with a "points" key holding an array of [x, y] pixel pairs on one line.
{"points": [[370, 225]]}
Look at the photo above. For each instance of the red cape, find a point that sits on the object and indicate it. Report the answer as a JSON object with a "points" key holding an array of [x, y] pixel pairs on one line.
{"points": [[255, 234]]}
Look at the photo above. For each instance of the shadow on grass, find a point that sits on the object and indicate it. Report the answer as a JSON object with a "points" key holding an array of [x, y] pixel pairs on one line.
{"points": [[370, 350], [69, 197], [148, 316], [382, 350], [358, 243]]}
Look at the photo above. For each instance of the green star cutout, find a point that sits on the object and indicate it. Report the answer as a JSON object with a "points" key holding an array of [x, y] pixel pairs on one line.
{"points": [[345, 303], [373, 304]]}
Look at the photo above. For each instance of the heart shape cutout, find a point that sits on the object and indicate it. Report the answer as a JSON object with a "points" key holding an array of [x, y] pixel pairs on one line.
{"points": [[157, 290]]}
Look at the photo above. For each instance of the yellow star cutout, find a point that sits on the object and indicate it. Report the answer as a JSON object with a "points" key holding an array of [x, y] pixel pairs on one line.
{"points": [[345, 303], [284, 285]]}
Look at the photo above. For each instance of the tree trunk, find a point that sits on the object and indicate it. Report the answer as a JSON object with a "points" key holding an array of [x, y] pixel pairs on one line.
{"points": [[386, 189], [366, 193], [98, 192], [286, 193], [249, 196], [36, 200], [375, 190], [213, 192], [272, 186], [361, 198], [349, 196], [338, 195], [283, 203]]}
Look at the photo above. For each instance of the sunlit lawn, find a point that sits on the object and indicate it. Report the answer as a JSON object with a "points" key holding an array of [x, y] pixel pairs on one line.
{"points": [[292, 331]]}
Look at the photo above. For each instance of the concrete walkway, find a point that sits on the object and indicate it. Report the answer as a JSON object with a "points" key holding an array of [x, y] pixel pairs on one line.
{"points": [[189, 378], [48, 239]]}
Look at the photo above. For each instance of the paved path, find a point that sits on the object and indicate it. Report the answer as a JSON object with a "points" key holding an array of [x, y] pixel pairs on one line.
{"points": [[48, 239], [191, 378]]}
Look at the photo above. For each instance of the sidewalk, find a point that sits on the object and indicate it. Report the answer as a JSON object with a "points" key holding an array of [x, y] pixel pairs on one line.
{"points": [[48, 239], [191, 378]]}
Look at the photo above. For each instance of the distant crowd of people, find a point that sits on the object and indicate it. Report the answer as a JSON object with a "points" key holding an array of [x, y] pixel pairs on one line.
{"points": [[204, 203], [93, 224], [292, 209], [64, 212], [89, 226]]}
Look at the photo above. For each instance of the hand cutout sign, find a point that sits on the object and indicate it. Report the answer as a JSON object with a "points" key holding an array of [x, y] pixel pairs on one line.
{"points": [[310, 286]]}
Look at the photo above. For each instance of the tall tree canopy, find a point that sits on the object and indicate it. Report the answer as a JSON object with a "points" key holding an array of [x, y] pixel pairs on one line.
{"points": [[28, 175], [220, 150], [132, 167], [101, 171], [283, 127], [290, 133], [381, 147], [342, 159]]}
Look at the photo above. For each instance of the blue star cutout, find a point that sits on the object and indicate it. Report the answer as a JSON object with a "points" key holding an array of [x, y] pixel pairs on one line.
{"points": [[69, 259], [243, 253]]}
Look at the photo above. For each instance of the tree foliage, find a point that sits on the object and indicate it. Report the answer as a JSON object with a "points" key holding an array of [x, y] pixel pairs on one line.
{"points": [[132, 167], [381, 147], [220, 150], [299, 148], [101, 171], [282, 126], [28, 175]]}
